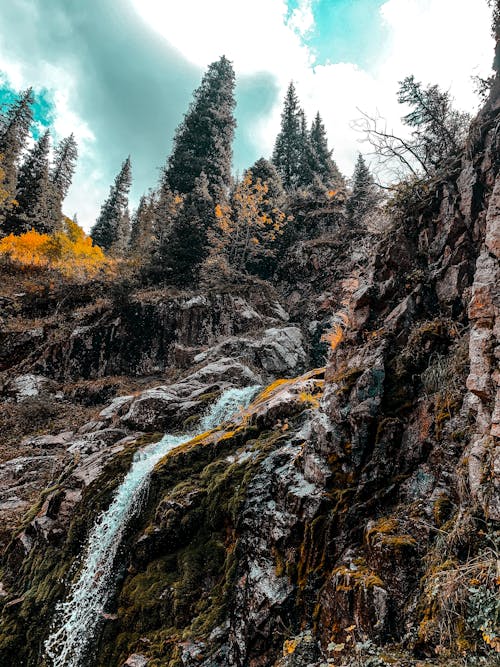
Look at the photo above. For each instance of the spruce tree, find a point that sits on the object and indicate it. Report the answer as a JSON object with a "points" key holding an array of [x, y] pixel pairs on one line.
{"points": [[203, 141], [323, 164], [166, 207], [109, 225], [61, 175], [33, 192], [142, 236], [187, 246], [364, 193], [306, 164], [120, 246], [14, 129], [288, 147]]}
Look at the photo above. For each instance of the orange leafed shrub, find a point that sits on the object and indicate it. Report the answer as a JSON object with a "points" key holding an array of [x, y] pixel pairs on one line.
{"points": [[69, 251]]}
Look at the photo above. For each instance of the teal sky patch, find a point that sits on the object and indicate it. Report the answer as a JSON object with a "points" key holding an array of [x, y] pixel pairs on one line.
{"points": [[344, 30], [43, 107]]}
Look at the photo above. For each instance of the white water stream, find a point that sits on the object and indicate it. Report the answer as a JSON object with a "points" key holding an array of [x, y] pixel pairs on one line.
{"points": [[78, 617]]}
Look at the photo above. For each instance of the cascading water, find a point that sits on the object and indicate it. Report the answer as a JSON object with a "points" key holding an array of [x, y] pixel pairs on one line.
{"points": [[78, 617]]}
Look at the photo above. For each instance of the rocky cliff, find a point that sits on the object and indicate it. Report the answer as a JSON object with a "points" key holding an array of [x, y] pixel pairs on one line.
{"points": [[348, 516]]}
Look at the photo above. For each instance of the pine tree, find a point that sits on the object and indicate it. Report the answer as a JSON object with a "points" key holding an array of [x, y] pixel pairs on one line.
{"points": [[364, 193], [306, 161], [323, 164], [203, 141], [439, 130], [61, 175], [166, 208], [109, 225], [187, 246], [288, 147], [33, 193], [142, 236], [14, 129]]}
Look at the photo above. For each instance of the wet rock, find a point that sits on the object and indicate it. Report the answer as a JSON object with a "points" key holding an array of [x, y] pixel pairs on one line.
{"points": [[169, 406]]}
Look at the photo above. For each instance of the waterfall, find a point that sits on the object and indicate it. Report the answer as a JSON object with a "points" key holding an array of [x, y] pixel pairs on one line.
{"points": [[78, 617]]}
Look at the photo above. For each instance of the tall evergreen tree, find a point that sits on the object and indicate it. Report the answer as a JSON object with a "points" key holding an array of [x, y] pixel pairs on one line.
{"points": [[14, 129], [61, 175], [306, 162], [32, 195], [109, 225], [323, 164], [203, 141], [166, 208], [120, 246], [364, 193], [143, 237], [288, 147], [187, 246]]}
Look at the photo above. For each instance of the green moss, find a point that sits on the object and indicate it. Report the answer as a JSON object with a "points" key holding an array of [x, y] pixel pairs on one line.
{"points": [[183, 571]]}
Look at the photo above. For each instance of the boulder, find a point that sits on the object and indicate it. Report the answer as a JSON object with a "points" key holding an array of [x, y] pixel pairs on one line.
{"points": [[169, 406]]}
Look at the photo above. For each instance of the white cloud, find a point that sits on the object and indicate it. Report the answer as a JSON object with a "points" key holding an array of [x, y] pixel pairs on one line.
{"points": [[302, 17], [87, 190], [251, 34], [440, 41]]}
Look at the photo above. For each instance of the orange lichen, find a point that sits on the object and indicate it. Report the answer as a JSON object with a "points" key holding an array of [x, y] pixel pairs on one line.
{"points": [[334, 337]]}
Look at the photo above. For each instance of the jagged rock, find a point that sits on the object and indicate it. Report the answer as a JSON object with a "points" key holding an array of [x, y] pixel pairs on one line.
{"points": [[28, 386], [136, 660], [21, 477], [116, 408], [16, 344], [111, 344], [48, 441], [278, 351], [300, 651], [168, 406]]}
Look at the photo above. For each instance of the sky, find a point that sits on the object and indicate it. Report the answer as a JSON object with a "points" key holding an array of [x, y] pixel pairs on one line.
{"points": [[120, 73]]}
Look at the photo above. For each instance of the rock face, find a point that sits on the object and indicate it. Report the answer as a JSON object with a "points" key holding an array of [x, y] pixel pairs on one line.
{"points": [[150, 333]]}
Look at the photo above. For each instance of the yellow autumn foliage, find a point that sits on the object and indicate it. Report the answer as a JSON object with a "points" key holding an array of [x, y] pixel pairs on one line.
{"points": [[69, 251]]}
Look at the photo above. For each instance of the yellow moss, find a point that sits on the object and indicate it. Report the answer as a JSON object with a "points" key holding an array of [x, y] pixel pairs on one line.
{"points": [[362, 577], [308, 398], [398, 541], [280, 562], [382, 533], [333, 337], [346, 378], [383, 526], [268, 391]]}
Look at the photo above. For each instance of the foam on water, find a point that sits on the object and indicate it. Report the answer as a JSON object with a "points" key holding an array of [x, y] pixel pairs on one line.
{"points": [[78, 617]]}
